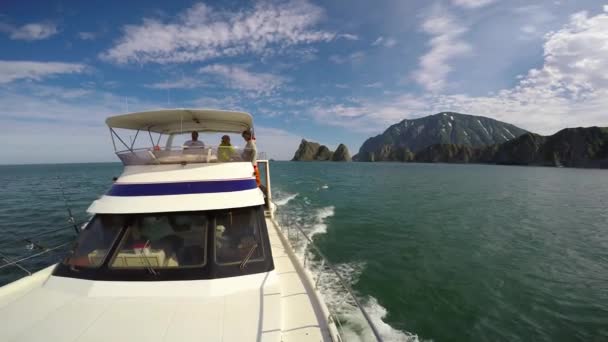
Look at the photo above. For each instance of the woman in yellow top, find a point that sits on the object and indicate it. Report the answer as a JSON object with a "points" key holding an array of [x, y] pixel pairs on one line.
{"points": [[225, 151]]}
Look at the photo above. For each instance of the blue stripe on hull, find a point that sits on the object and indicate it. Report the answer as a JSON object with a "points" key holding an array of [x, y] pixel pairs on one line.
{"points": [[181, 188]]}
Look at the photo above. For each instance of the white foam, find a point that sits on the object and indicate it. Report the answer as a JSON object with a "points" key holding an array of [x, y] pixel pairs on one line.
{"points": [[285, 200], [353, 324], [319, 227]]}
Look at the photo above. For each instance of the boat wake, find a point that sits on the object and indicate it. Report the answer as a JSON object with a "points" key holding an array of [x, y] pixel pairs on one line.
{"points": [[285, 200], [320, 227], [352, 323]]}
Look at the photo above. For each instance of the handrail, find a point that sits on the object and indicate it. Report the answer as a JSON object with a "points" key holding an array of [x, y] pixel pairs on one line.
{"points": [[15, 262], [9, 261], [325, 262], [179, 155]]}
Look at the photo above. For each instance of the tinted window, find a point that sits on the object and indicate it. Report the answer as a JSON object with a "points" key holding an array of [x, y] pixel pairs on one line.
{"points": [[237, 237], [95, 241], [163, 241]]}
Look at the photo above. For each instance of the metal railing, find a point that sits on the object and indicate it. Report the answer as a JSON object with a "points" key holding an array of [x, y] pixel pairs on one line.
{"points": [[184, 155], [9, 261], [301, 236]]}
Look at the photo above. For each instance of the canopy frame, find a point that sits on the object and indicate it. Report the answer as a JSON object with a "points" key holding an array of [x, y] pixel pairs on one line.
{"points": [[171, 122]]}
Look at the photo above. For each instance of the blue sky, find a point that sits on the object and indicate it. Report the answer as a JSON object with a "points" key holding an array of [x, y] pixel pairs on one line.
{"points": [[332, 72]]}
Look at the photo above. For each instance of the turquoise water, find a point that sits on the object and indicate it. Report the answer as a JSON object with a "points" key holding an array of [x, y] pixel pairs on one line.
{"points": [[436, 252]]}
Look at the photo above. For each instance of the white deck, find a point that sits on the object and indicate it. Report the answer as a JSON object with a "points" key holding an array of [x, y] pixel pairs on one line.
{"points": [[304, 317], [277, 306]]}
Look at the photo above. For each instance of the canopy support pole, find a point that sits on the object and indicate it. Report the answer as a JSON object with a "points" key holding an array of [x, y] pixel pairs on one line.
{"points": [[122, 141], [112, 136], [151, 140], [134, 140]]}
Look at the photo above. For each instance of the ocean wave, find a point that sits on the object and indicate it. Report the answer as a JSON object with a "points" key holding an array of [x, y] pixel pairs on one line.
{"points": [[285, 200], [353, 325], [320, 227]]}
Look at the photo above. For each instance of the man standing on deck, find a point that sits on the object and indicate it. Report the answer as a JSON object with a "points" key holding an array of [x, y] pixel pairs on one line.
{"points": [[194, 143], [250, 153]]}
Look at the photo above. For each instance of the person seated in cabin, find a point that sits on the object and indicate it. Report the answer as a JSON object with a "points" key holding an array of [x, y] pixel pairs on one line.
{"points": [[194, 142], [225, 151]]}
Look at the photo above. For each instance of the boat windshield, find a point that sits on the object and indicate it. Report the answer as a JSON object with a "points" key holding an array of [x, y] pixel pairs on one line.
{"points": [[95, 241], [165, 241]]}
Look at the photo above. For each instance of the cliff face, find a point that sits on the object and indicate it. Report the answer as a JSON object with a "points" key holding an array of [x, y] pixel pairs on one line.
{"points": [[571, 147], [341, 154], [306, 151], [399, 141], [312, 151]]}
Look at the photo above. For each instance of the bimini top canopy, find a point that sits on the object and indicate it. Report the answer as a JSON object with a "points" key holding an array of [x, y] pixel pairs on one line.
{"points": [[169, 121]]}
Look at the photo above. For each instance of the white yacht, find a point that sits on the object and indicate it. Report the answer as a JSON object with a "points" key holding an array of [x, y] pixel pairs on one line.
{"points": [[182, 247]]}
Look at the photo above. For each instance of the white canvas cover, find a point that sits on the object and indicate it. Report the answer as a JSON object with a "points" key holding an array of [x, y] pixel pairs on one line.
{"points": [[169, 121]]}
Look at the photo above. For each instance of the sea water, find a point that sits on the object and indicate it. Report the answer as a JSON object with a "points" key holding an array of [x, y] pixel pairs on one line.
{"points": [[434, 252]]}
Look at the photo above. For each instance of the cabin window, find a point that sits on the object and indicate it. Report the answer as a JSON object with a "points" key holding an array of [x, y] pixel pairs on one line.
{"points": [[238, 238], [163, 241], [95, 241], [171, 246]]}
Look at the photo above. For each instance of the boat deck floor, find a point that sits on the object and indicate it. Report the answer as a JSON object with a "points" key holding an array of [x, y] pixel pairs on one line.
{"points": [[302, 316]]}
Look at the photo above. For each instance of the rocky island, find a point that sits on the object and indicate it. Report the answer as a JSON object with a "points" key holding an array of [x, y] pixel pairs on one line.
{"points": [[570, 147], [400, 141], [460, 138], [312, 151]]}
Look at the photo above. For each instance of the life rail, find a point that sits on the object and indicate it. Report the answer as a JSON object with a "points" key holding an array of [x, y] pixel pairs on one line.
{"points": [[8, 261], [185, 155], [294, 242]]}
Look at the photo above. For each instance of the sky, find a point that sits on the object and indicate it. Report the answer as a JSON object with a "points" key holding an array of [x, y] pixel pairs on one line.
{"points": [[327, 71]]}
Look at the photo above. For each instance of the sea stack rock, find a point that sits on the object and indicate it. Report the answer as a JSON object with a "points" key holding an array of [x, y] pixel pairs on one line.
{"points": [[306, 151], [341, 154], [323, 153], [312, 151]]}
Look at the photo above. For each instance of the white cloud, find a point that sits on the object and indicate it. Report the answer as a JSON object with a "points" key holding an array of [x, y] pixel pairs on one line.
{"points": [[569, 90], [181, 83], [348, 36], [16, 70], [87, 35], [374, 85], [446, 44], [238, 77], [354, 58], [472, 3], [535, 20], [202, 33], [31, 31], [384, 41], [67, 124]]}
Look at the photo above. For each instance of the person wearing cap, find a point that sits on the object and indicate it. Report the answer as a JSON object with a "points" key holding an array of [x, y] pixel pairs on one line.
{"points": [[225, 151]]}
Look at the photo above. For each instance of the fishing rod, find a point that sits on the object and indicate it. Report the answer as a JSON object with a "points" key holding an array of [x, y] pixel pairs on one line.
{"points": [[71, 219]]}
